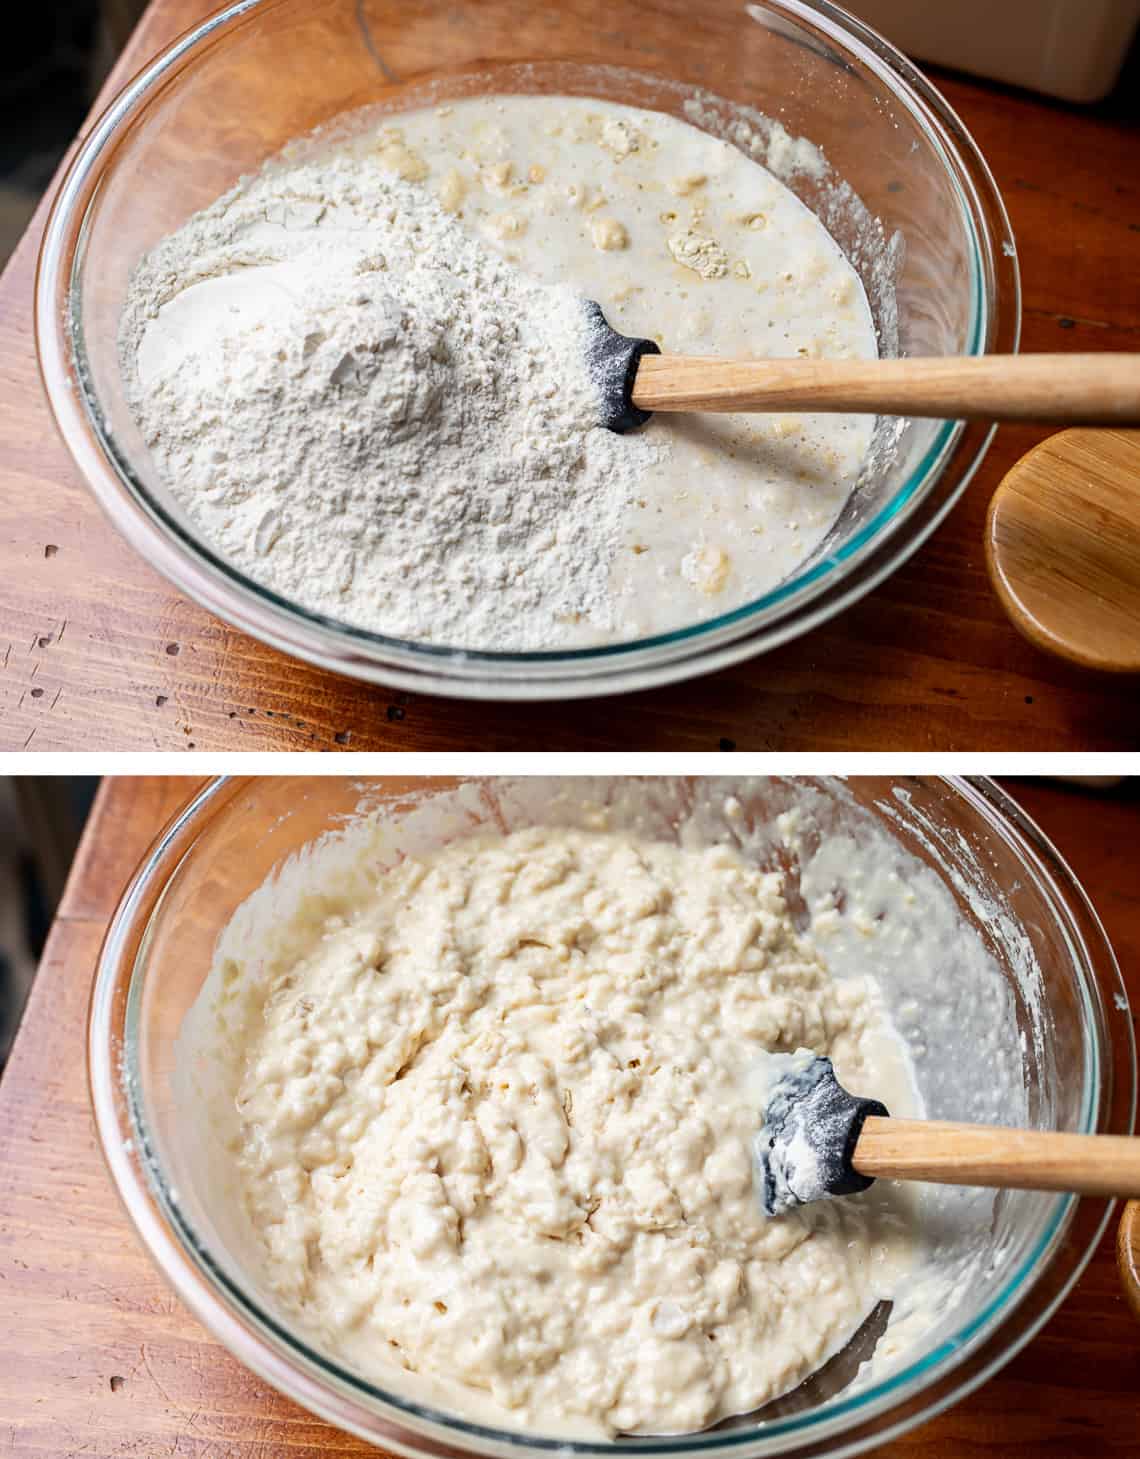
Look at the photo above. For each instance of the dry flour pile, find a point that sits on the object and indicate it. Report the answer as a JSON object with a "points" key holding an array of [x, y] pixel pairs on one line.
{"points": [[370, 412]]}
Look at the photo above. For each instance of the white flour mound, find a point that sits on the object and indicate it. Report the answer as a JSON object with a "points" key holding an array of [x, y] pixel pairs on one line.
{"points": [[371, 413]]}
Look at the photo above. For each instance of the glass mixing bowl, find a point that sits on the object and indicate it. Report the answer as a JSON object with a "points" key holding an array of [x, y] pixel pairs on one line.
{"points": [[231, 92], [1069, 1059]]}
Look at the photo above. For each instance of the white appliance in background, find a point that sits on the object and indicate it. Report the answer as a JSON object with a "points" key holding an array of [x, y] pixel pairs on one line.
{"points": [[1069, 48]]}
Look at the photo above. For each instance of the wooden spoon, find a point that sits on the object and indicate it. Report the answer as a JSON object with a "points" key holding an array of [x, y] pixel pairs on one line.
{"points": [[1128, 1254], [635, 379], [1063, 547]]}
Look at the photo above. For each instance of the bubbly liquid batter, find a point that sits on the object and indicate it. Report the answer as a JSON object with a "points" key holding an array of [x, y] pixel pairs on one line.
{"points": [[679, 236], [493, 1127], [682, 238]]}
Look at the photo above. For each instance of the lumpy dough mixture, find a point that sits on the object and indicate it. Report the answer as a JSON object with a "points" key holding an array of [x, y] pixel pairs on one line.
{"points": [[678, 234], [494, 1129]]}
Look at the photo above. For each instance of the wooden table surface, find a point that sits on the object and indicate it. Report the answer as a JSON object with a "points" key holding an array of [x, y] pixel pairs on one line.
{"points": [[97, 652], [97, 1358]]}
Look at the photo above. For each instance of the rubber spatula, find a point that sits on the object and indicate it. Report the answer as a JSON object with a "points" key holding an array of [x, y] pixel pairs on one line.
{"points": [[817, 1140], [636, 379]]}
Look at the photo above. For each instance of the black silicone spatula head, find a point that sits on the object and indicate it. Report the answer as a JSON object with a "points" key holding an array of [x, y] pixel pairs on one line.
{"points": [[804, 1149], [613, 359]]}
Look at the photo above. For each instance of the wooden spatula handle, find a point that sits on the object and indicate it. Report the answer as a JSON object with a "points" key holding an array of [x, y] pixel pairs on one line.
{"points": [[1055, 389], [950, 1154]]}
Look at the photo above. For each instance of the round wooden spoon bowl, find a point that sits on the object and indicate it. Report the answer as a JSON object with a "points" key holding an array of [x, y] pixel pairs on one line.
{"points": [[1063, 547]]}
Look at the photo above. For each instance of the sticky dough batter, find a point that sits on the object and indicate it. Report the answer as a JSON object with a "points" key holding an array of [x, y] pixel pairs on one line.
{"points": [[494, 1128]]}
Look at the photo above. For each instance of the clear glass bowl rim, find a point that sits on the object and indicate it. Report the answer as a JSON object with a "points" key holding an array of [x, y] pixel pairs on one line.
{"points": [[289, 1364], [800, 603]]}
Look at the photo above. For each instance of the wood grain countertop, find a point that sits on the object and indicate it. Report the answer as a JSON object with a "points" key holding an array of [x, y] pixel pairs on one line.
{"points": [[97, 1357], [98, 652]]}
